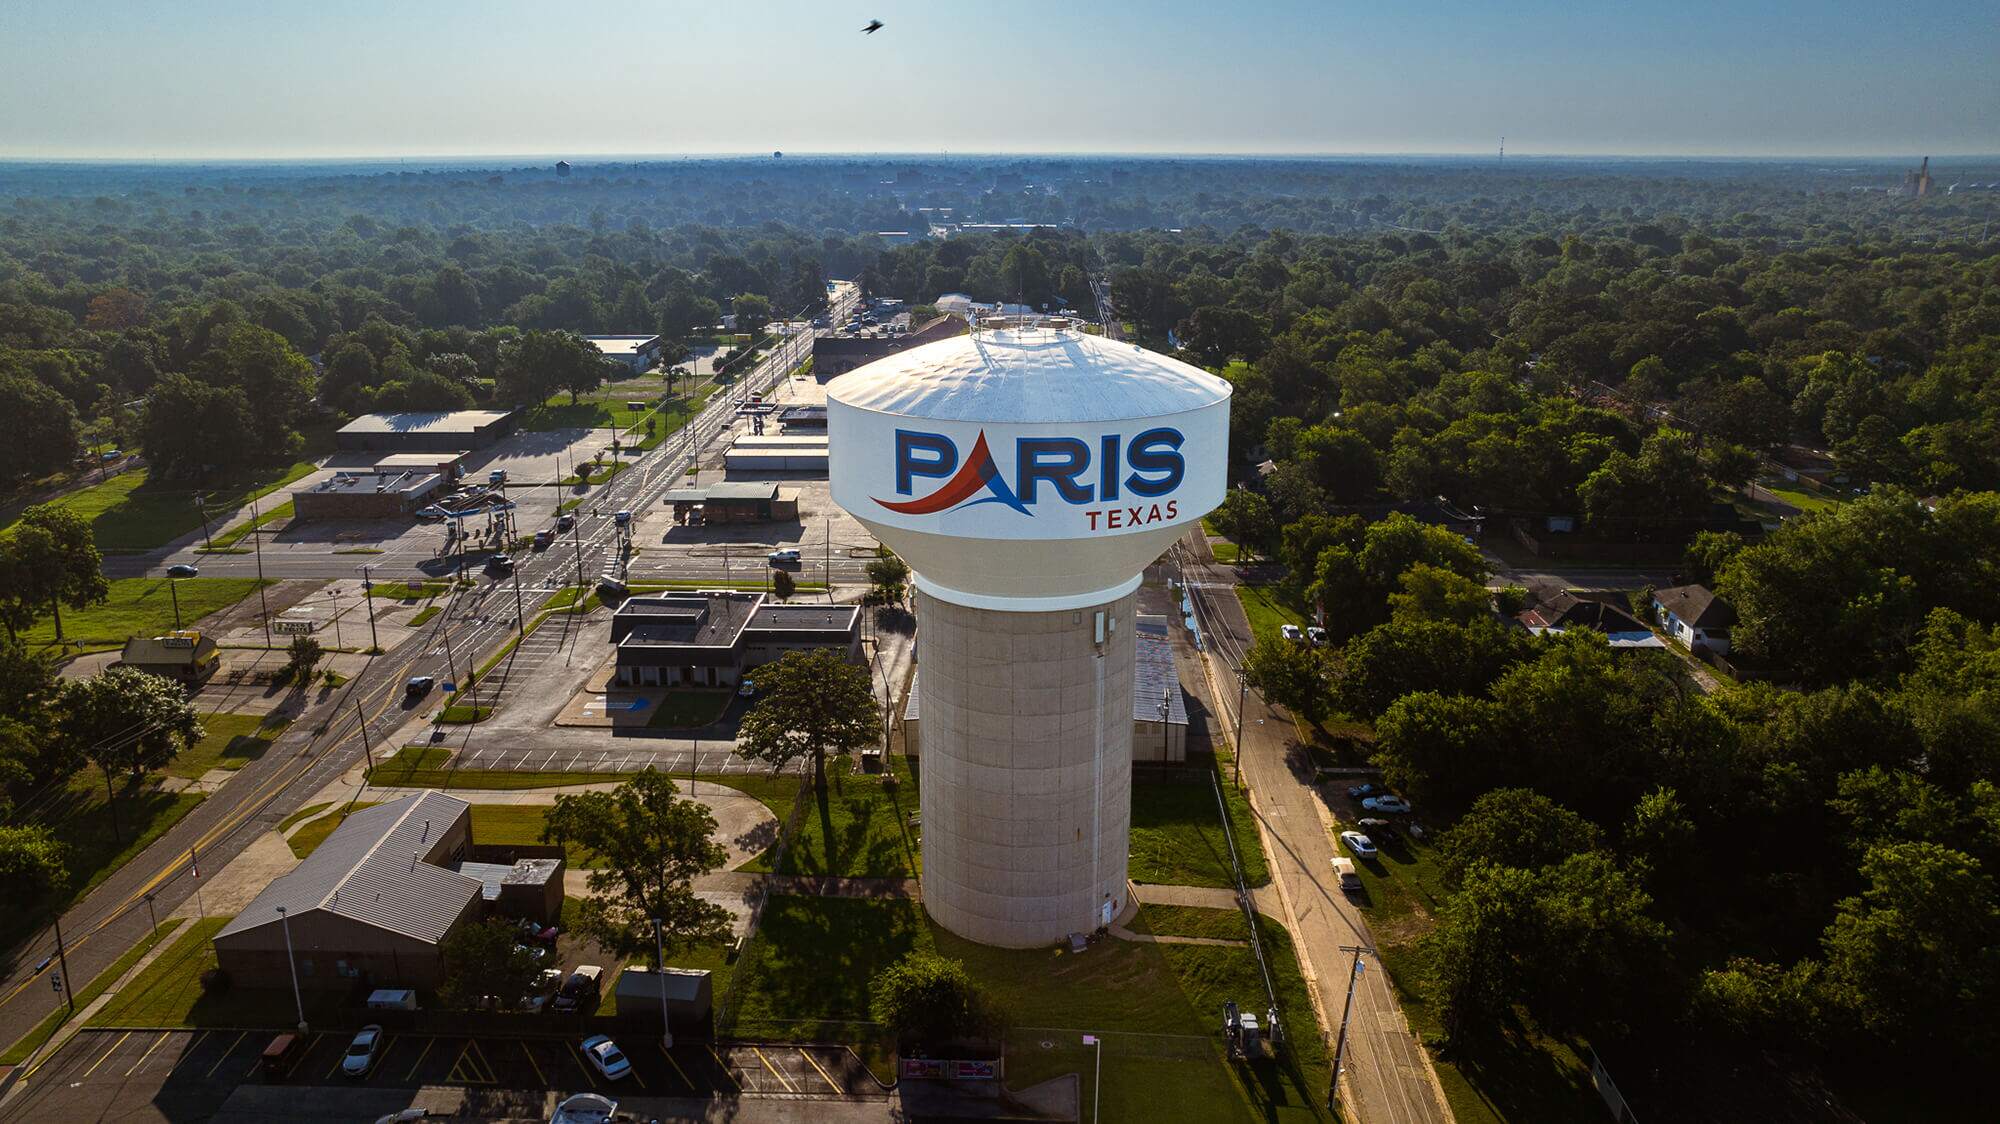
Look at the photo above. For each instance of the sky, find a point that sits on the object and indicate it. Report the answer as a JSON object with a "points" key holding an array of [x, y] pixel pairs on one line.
{"points": [[348, 78]]}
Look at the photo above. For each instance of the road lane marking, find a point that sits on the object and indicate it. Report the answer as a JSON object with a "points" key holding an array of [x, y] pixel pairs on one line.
{"points": [[149, 1053], [775, 1071], [108, 1053]]}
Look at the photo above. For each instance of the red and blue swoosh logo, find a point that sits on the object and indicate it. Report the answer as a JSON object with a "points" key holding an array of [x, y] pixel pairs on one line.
{"points": [[977, 474]]}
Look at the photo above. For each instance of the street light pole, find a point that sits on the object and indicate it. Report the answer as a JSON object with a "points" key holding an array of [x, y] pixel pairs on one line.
{"points": [[367, 747], [368, 594], [62, 958], [257, 542], [206, 542], [174, 587], [153, 917], [1242, 696], [297, 996], [666, 1024]]}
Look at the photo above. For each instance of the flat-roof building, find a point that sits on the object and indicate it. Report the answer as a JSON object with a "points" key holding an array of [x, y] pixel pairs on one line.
{"points": [[444, 431], [636, 353], [791, 452], [381, 493], [735, 501], [803, 419], [709, 639], [837, 355]]}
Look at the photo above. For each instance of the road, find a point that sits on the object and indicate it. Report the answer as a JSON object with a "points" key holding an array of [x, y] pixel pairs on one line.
{"points": [[1387, 1078], [328, 738]]}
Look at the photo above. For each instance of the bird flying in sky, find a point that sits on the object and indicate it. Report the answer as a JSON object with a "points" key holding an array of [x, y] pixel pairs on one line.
{"points": [[873, 27]]}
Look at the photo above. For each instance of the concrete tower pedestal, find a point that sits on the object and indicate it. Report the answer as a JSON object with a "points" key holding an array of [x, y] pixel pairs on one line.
{"points": [[1027, 771]]}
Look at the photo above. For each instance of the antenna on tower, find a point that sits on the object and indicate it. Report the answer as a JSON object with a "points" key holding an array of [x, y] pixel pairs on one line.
{"points": [[1503, 150]]}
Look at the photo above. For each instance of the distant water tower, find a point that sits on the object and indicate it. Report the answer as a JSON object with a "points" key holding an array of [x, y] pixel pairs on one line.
{"points": [[562, 167], [777, 156], [1029, 476]]}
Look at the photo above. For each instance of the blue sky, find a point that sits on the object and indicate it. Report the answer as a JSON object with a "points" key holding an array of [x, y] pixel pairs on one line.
{"points": [[285, 78]]}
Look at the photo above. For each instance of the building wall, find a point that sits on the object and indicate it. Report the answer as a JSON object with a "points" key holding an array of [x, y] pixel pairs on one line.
{"points": [[332, 953], [1148, 744], [309, 505], [1027, 769]]}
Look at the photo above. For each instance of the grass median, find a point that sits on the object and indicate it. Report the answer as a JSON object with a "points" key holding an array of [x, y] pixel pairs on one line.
{"points": [[140, 607], [231, 741]]}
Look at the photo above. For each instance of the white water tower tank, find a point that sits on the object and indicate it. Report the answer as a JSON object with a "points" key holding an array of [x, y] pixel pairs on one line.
{"points": [[1028, 476]]}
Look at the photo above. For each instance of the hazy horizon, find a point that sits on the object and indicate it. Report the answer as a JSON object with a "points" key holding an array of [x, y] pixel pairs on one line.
{"points": [[231, 80]]}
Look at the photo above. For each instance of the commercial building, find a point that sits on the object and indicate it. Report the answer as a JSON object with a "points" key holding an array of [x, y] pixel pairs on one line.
{"points": [[837, 355], [372, 494], [803, 419], [709, 639], [187, 656], [636, 354], [438, 431], [372, 905], [1028, 477], [737, 501], [792, 453], [1154, 677]]}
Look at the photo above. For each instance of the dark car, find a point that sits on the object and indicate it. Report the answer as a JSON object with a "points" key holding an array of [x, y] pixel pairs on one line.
{"points": [[565, 521], [182, 570], [1361, 791], [500, 564], [419, 686]]}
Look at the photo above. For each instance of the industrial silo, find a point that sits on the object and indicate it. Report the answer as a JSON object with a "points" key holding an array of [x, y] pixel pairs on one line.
{"points": [[1028, 475]]}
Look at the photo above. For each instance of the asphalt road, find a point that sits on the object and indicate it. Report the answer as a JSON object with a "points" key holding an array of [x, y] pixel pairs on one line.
{"points": [[1387, 1079], [327, 739]]}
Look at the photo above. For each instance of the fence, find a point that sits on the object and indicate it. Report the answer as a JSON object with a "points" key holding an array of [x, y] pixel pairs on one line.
{"points": [[1608, 1089]]}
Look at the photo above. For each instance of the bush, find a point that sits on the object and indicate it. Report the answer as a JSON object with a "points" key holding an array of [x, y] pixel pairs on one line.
{"points": [[925, 998]]}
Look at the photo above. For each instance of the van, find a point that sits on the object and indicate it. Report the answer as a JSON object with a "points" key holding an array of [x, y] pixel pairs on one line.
{"points": [[1343, 869], [281, 1055], [580, 992]]}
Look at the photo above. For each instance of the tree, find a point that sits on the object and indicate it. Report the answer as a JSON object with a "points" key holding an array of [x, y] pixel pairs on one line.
{"points": [[55, 558], [810, 703], [304, 656], [486, 958], [1411, 654], [190, 427], [648, 847], [540, 363], [33, 865], [1245, 517], [1515, 827], [1292, 674], [927, 1000], [782, 584], [887, 576], [753, 312], [125, 720], [1428, 592], [44, 428], [271, 374]]}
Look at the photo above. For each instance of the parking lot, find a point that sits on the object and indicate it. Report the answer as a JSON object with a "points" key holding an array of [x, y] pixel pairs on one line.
{"points": [[187, 1074]]}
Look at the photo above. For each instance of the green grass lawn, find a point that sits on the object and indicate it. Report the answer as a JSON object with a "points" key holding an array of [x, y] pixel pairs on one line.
{"points": [[1518, 1075], [805, 977], [32, 1040], [130, 513], [598, 474], [1224, 550], [512, 825], [423, 615], [1242, 821], [860, 830], [401, 591], [1191, 921], [169, 994], [464, 714], [1177, 836], [232, 741], [308, 838], [1799, 496], [79, 819], [305, 813], [1267, 609], [689, 708], [140, 607], [264, 518]]}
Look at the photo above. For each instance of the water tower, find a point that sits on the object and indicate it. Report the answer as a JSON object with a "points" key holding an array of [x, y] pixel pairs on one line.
{"points": [[1028, 476]]}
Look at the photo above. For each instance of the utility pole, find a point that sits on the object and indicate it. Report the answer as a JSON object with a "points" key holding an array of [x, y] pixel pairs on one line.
{"points": [[257, 542], [174, 587], [829, 559], [520, 620], [202, 509], [62, 958], [1242, 696], [1340, 1046], [368, 594], [153, 917], [367, 747], [444, 630]]}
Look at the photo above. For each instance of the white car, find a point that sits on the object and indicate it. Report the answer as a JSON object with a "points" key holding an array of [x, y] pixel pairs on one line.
{"points": [[1316, 635], [1362, 846], [545, 989], [606, 1057], [1391, 804], [1291, 632], [361, 1052]]}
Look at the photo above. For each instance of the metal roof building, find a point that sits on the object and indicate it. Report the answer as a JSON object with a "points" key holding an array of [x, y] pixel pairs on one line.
{"points": [[443, 431], [373, 901]]}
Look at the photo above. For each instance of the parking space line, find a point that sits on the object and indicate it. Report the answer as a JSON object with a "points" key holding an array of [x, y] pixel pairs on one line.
{"points": [[303, 1054], [382, 1059], [540, 1081], [588, 1072], [807, 1055], [428, 1043], [149, 1053], [108, 1053], [724, 1067], [775, 1071], [685, 1080]]}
